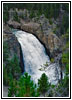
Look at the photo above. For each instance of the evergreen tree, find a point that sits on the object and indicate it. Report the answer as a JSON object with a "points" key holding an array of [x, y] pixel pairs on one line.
{"points": [[10, 68], [26, 87], [43, 84], [13, 66], [32, 14], [5, 14], [23, 88], [16, 18], [5, 75], [12, 84], [48, 9]]}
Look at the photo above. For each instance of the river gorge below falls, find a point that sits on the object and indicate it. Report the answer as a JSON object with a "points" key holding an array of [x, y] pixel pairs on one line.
{"points": [[34, 57]]}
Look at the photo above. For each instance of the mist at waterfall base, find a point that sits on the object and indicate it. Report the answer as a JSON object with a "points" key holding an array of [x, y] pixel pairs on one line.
{"points": [[34, 57]]}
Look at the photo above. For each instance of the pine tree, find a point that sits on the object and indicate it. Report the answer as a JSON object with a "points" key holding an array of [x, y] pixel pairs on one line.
{"points": [[12, 84], [43, 84], [23, 88], [5, 15], [16, 18], [13, 66], [5, 75], [26, 87]]}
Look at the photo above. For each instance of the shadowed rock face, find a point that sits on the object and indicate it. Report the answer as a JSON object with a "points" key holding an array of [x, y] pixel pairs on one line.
{"points": [[12, 42], [13, 45]]}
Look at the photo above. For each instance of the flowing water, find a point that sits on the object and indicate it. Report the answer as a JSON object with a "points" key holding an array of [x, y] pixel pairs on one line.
{"points": [[34, 56]]}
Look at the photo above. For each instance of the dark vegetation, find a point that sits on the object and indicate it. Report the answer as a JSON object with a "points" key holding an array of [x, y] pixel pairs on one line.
{"points": [[50, 10], [16, 18], [24, 87], [65, 54], [43, 84], [11, 67]]}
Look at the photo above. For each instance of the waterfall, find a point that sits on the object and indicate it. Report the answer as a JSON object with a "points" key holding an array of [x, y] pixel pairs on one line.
{"points": [[34, 56]]}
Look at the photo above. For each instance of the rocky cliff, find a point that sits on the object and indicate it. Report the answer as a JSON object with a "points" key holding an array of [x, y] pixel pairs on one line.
{"points": [[46, 36], [13, 45]]}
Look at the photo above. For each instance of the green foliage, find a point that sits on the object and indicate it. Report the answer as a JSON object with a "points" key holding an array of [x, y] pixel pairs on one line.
{"points": [[65, 57], [5, 52], [52, 86], [65, 60], [10, 67], [12, 89], [5, 15], [65, 24], [65, 82], [55, 29], [66, 35], [52, 60], [43, 84], [13, 66], [48, 9], [66, 38], [5, 62], [16, 18], [65, 21], [50, 21], [5, 75], [23, 88], [32, 14], [66, 46], [64, 85], [38, 14], [22, 16], [46, 64], [65, 7]]}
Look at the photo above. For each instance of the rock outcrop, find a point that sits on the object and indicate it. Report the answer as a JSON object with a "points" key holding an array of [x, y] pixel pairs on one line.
{"points": [[13, 44], [14, 24], [50, 40]]}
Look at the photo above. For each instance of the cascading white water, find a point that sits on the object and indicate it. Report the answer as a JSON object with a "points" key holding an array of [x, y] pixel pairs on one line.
{"points": [[35, 57]]}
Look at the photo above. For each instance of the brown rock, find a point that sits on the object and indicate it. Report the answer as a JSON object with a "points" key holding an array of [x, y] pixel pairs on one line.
{"points": [[51, 41], [14, 24], [30, 27]]}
